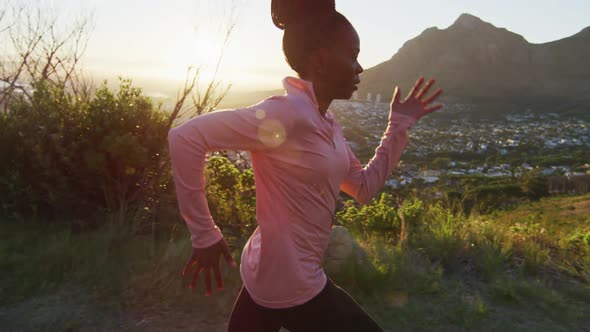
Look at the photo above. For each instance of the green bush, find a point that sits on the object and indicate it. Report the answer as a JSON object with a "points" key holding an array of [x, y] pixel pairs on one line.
{"points": [[441, 235], [488, 197], [378, 215], [68, 158], [486, 246], [534, 185], [231, 196]]}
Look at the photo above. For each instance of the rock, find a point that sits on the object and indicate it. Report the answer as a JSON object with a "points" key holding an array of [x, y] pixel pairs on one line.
{"points": [[343, 250]]}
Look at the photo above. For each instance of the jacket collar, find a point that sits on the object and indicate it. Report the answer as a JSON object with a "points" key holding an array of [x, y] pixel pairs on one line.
{"points": [[300, 87]]}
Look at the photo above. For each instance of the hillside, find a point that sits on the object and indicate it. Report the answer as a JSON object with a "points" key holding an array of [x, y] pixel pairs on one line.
{"points": [[60, 281], [474, 60]]}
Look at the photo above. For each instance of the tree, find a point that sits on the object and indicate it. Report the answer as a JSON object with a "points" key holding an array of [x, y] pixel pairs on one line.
{"points": [[534, 185], [441, 162], [231, 196], [75, 151], [41, 47]]}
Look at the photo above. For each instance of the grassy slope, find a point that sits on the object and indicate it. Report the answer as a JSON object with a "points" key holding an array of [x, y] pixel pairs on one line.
{"points": [[58, 281], [466, 295]]}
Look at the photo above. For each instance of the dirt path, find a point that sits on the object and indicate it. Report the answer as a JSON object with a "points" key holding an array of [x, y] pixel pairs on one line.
{"points": [[73, 309]]}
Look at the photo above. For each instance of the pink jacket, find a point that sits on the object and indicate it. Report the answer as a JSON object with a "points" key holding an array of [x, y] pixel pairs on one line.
{"points": [[301, 161]]}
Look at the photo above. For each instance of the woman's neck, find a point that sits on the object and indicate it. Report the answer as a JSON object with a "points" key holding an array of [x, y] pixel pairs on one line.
{"points": [[323, 102]]}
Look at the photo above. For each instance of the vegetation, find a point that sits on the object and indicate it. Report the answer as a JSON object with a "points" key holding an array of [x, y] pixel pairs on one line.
{"points": [[546, 237], [90, 234], [70, 158], [462, 260], [523, 269]]}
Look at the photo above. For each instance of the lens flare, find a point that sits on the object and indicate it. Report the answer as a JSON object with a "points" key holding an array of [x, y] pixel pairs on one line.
{"points": [[272, 133], [260, 114]]}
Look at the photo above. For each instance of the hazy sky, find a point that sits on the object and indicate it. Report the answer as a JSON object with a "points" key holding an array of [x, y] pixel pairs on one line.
{"points": [[158, 39]]}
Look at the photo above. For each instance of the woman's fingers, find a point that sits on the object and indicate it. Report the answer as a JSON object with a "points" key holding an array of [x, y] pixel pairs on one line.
{"points": [[416, 88], [227, 255], [424, 91], [189, 265], [433, 97], [206, 261], [396, 95], [430, 109], [196, 276], [413, 105]]}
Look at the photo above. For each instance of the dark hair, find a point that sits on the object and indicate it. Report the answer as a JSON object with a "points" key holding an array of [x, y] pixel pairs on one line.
{"points": [[308, 25]]}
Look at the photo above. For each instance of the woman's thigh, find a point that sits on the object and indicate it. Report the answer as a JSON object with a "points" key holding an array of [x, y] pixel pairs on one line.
{"points": [[247, 316], [332, 310]]}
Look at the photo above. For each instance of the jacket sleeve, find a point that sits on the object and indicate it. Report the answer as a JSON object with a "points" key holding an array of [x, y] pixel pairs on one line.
{"points": [[363, 183], [256, 128]]}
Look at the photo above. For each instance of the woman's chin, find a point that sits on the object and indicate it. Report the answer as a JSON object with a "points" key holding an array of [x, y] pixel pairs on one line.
{"points": [[345, 95]]}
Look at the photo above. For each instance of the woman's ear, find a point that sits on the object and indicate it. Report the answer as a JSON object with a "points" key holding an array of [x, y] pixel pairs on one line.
{"points": [[312, 67], [319, 60]]}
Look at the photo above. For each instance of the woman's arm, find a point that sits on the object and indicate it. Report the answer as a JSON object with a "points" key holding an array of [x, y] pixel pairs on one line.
{"points": [[254, 128], [363, 183]]}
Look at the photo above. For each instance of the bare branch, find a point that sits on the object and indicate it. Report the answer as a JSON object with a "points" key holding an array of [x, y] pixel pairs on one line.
{"points": [[42, 47], [4, 26], [207, 96], [190, 82]]}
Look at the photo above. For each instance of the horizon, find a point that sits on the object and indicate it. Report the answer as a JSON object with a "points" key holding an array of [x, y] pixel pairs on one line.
{"points": [[153, 43]]}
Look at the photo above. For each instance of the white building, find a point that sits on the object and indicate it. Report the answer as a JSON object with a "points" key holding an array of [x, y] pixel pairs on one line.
{"points": [[378, 98], [393, 183]]}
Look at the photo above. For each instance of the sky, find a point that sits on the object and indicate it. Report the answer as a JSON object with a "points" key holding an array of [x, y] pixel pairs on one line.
{"points": [[159, 39]]}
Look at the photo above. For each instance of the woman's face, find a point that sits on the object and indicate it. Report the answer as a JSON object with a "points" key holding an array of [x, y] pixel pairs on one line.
{"points": [[339, 71]]}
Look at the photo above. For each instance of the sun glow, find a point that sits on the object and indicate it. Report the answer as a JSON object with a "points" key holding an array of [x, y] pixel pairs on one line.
{"points": [[195, 49]]}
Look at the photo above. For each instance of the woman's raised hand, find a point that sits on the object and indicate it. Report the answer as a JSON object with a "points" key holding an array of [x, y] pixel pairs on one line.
{"points": [[205, 260], [416, 104]]}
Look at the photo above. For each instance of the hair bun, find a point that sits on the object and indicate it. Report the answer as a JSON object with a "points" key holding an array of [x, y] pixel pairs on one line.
{"points": [[285, 12]]}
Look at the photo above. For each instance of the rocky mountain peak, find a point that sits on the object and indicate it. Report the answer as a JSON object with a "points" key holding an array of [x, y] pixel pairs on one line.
{"points": [[469, 21], [475, 59]]}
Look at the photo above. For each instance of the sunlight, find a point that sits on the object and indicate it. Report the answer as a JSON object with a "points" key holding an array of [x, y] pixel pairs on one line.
{"points": [[196, 49]]}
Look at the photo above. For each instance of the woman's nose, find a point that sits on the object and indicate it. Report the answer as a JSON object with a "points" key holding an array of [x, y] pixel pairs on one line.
{"points": [[359, 68]]}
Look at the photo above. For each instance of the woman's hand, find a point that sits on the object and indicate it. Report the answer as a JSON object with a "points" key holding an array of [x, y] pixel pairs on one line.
{"points": [[205, 260], [416, 104]]}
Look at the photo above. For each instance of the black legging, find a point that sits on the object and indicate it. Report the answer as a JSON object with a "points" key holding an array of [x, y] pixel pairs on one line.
{"points": [[331, 310]]}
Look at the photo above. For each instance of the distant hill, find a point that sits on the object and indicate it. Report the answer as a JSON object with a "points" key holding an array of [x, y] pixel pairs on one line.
{"points": [[474, 60], [243, 99]]}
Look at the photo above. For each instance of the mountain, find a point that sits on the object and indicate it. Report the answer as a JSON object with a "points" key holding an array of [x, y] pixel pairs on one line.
{"points": [[474, 60]]}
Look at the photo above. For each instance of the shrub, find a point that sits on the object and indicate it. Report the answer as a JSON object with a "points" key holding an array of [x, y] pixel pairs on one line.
{"points": [[231, 196], [73, 158], [440, 235], [379, 215], [534, 185]]}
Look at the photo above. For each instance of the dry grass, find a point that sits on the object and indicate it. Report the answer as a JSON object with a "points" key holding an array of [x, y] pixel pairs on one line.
{"points": [[506, 271]]}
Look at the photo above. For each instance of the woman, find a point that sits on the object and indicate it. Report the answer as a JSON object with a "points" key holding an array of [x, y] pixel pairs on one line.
{"points": [[301, 161]]}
